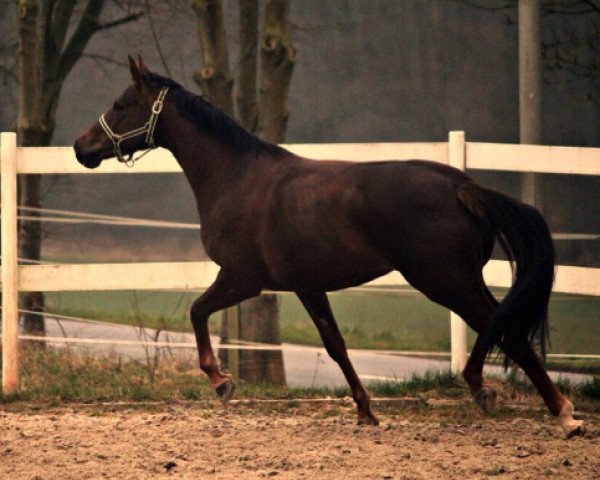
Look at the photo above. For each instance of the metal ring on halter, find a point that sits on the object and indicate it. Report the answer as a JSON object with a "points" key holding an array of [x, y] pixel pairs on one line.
{"points": [[148, 129]]}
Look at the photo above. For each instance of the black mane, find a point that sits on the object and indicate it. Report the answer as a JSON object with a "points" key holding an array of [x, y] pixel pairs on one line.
{"points": [[211, 120]]}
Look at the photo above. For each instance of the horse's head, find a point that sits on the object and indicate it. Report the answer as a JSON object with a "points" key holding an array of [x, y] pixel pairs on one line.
{"points": [[127, 127]]}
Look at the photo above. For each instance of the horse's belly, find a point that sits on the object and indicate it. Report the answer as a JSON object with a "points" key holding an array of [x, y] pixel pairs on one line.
{"points": [[338, 278], [332, 269]]}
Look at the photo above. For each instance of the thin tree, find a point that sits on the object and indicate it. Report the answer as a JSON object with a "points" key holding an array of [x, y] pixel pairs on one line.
{"points": [[52, 38], [261, 107], [569, 53]]}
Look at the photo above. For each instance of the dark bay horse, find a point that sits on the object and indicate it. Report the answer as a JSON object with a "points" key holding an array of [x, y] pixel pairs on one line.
{"points": [[273, 220]]}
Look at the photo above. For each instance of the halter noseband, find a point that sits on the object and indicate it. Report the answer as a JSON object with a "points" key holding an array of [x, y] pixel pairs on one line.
{"points": [[147, 129]]}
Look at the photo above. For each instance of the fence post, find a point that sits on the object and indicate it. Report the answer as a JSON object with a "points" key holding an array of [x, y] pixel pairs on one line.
{"points": [[458, 328], [10, 312]]}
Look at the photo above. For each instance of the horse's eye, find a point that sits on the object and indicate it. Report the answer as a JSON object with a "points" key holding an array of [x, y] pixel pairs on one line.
{"points": [[117, 106]]}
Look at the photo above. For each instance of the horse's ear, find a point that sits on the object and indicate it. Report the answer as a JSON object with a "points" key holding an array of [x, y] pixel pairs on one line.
{"points": [[143, 67], [135, 72]]}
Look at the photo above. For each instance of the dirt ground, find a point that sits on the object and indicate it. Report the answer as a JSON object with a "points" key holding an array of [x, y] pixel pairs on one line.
{"points": [[289, 440]]}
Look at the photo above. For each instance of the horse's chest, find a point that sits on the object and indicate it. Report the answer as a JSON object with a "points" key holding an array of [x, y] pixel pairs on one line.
{"points": [[228, 243]]}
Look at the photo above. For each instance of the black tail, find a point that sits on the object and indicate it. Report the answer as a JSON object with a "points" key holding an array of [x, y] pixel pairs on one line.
{"points": [[524, 236]]}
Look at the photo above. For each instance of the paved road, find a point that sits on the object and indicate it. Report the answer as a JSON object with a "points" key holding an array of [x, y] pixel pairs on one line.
{"points": [[304, 366]]}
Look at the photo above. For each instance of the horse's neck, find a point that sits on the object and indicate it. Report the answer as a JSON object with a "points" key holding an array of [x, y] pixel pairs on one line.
{"points": [[206, 162]]}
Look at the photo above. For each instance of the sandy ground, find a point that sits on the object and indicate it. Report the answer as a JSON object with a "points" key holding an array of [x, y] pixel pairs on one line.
{"points": [[288, 441]]}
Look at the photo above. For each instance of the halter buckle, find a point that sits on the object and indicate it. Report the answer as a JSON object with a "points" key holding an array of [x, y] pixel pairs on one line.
{"points": [[157, 107]]}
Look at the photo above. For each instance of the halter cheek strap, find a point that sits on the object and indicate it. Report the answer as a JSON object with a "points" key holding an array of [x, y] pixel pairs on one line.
{"points": [[147, 129]]}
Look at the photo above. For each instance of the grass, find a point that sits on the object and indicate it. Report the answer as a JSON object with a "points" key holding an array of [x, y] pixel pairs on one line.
{"points": [[401, 320], [54, 376], [588, 390]]}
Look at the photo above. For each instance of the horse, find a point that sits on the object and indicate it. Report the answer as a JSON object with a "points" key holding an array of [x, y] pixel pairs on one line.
{"points": [[274, 220]]}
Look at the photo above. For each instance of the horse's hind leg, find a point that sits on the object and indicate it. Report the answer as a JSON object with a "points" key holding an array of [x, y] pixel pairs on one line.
{"points": [[559, 406], [485, 397], [319, 310], [460, 287], [466, 294]]}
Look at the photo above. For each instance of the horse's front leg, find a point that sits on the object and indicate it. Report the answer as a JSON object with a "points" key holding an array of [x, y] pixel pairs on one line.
{"points": [[224, 292]]}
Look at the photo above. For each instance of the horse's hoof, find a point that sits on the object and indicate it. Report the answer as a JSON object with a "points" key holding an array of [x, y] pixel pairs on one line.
{"points": [[225, 390], [571, 427], [368, 419], [486, 399], [575, 428]]}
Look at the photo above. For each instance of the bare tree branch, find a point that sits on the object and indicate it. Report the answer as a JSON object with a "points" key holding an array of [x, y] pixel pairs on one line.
{"points": [[504, 5], [87, 27], [120, 21], [59, 22], [568, 55], [104, 58], [155, 38]]}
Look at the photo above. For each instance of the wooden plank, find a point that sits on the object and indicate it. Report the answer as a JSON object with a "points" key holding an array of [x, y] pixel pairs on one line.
{"points": [[135, 276], [10, 306], [497, 273], [483, 156], [392, 279], [533, 158], [117, 276], [372, 152], [580, 280], [199, 276], [61, 160], [577, 280], [57, 160]]}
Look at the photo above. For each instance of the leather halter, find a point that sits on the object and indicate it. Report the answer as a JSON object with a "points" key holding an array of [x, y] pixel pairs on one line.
{"points": [[147, 129]]}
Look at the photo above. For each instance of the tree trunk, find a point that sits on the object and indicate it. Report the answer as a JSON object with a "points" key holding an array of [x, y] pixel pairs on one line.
{"points": [[260, 316], [247, 104], [260, 323], [30, 237], [257, 319], [214, 78], [30, 132], [30, 247], [530, 91], [277, 59], [45, 60]]}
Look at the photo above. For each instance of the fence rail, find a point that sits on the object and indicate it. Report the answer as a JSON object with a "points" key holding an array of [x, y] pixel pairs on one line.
{"points": [[199, 275]]}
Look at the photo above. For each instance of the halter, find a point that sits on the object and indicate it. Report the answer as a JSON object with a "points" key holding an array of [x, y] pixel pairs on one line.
{"points": [[148, 129]]}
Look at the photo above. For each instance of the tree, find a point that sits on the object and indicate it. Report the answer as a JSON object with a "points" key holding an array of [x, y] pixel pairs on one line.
{"points": [[572, 53], [571, 50], [47, 53], [261, 107]]}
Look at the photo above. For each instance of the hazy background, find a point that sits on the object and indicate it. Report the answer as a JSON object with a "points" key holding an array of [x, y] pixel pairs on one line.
{"points": [[368, 71]]}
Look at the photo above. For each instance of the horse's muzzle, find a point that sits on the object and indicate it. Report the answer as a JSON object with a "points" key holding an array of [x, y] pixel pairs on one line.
{"points": [[89, 160]]}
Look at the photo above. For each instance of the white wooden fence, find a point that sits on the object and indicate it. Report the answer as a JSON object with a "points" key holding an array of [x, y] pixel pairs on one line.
{"points": [[199, 275]]}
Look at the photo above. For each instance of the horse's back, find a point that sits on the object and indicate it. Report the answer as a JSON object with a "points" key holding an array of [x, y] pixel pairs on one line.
{"points": [[335, 224]]}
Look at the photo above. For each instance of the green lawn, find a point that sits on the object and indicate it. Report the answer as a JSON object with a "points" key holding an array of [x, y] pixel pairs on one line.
{"points": [[403, 320], [55, 376]]}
